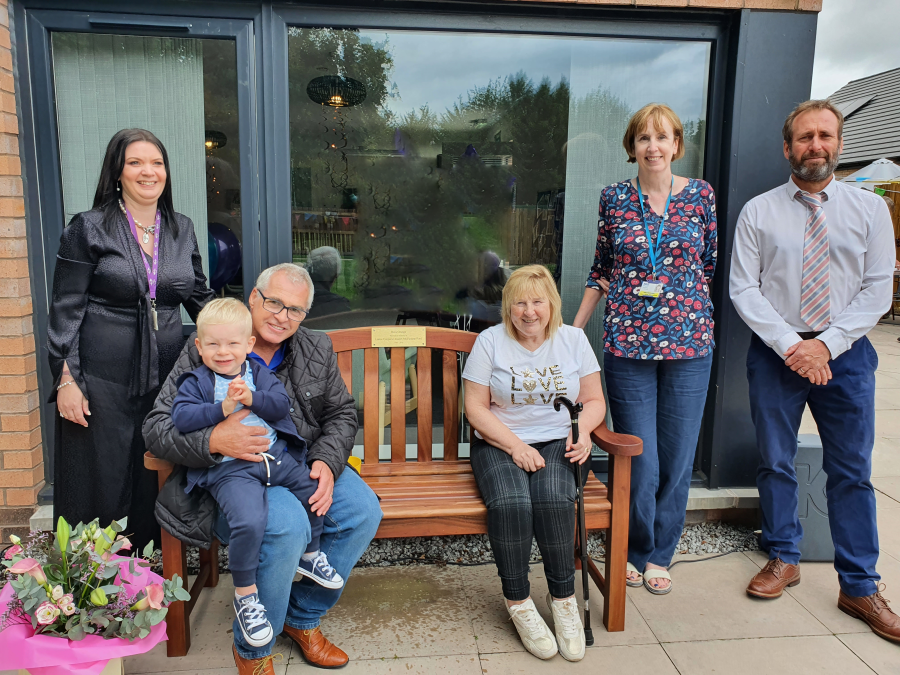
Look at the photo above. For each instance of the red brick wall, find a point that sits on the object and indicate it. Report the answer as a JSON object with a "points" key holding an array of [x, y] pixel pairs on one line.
{"points": [[21, 461]]}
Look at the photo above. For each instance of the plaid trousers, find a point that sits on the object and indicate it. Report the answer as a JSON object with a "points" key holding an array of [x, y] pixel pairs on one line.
{"points": [[524, 506]]}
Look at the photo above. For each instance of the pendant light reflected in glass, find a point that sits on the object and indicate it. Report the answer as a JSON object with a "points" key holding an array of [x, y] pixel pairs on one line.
{"points": [[336, 91], [215, 139]]}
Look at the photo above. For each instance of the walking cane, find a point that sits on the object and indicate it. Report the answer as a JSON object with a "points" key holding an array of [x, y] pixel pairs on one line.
{"points": [[574, 409]]}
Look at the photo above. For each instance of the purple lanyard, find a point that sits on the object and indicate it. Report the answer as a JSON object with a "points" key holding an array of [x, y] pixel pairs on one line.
{"points": [[152, 272]]}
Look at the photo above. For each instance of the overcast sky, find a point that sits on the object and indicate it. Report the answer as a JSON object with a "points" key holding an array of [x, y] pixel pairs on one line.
{"points": [[456, 63], [855, 38]]}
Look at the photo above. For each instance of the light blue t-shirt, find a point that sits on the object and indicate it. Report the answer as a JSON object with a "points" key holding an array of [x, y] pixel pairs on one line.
{"points": [[252, 420]]}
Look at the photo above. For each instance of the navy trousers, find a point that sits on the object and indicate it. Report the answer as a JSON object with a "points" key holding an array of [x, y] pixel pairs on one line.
{"points": [[844, 410], [239, 488], [660, 402]]}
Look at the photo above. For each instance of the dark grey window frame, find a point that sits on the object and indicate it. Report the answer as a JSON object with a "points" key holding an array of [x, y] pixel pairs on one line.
{"points": [[40, 165], [713, 28], [260, 30]]}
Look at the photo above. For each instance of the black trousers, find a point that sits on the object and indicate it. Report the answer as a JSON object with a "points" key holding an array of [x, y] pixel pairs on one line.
{"points": [[524, 506]]}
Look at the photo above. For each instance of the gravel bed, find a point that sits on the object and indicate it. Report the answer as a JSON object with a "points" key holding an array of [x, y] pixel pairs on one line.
{"points": [[714, 537], [702, 538]]}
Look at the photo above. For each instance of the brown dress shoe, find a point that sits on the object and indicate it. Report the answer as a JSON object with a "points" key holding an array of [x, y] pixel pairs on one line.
{"points": [[773, 579], [261, 666], [316, 648], [874, 610]]}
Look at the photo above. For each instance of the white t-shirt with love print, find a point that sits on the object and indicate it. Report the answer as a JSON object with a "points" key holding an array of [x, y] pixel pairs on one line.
{"points": [[523, 383]]}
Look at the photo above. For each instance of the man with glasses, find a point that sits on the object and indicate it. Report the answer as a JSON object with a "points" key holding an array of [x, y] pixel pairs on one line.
{"points": [[325, 416]]}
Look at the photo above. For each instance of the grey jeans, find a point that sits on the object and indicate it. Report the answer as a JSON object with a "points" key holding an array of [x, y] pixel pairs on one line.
{"points": [[524, 506]]}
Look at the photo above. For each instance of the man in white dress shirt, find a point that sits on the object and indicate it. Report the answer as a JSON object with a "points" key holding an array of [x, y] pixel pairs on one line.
{"points": [[811, 274]]}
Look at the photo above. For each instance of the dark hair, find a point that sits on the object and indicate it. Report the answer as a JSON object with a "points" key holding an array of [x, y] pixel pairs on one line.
{"points": [[107, 196]]}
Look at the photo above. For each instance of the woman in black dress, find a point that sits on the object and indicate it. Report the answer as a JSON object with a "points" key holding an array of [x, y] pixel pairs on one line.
{"points": [[122, 271]]}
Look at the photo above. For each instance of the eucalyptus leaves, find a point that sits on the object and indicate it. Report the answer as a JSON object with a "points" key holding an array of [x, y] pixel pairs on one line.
{"points": [[78, 585]]}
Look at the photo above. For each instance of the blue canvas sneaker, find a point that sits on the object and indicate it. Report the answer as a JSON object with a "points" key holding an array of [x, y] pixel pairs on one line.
{"points": [[320, 571], [252, 619]]}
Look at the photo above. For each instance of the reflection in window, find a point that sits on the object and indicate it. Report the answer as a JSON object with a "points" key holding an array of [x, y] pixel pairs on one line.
{"points": [[192, 109], [425, 166], [433, 177]]}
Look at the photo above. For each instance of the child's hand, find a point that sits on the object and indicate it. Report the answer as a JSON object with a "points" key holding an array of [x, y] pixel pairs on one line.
{"points": [[228, 406], [240, 392]]}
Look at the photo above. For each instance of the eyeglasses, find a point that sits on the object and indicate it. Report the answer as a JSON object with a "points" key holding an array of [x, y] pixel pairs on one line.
{"points": [[276, 306]]}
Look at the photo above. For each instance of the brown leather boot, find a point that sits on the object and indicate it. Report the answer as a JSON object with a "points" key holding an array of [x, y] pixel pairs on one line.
{"points": [[316, 648], [261, 666], [773, 579], [874, 610]]}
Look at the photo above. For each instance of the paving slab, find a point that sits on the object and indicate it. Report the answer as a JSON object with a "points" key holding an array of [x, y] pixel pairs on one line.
{"points": [[887, 424], [709, 602], [818, 593], [889, 531], [886, 380], [634, 660], [886, 457], [886, 399], [888, 361], [877, 653], [403, 612], [495, 633], [889, 486], [825, 654], [279, 670], [446, 665], [211, 639]]}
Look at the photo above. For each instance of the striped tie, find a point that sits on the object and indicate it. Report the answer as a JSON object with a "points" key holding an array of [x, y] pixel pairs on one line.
{"points": [[815, 294]]}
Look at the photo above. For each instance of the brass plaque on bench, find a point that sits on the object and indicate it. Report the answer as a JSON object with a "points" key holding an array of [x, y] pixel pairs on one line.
{"points": [[398, 336]]}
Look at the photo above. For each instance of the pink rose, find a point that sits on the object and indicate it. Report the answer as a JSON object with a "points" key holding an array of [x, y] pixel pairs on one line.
{"points": [[153, 597], [30, 566], [15, 549]]}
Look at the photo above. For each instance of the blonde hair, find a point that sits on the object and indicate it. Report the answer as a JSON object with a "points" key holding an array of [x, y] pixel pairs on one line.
{"points": [[536, 281], [224, 311], [657, 112], [787, 131]]}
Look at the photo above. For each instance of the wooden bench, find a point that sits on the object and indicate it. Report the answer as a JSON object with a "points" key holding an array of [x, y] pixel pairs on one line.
{"points": [[431, 495]]}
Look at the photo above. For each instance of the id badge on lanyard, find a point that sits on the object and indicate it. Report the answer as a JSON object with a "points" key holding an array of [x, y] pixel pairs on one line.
{"points": [[651, 288]]}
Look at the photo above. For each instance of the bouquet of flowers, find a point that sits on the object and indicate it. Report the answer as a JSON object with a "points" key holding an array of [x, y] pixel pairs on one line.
{"points": [[76, 585]]}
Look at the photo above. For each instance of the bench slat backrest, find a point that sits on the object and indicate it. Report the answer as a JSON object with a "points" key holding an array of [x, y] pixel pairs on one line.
{"points": [[449, 342]]}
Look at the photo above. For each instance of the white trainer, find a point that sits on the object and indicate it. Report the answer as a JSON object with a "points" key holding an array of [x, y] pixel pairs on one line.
{"points": [[569, 629], [533, 631]]}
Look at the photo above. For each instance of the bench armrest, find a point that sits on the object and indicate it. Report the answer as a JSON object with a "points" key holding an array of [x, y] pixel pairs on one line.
{"points": [[162, 467], [616, 444]]}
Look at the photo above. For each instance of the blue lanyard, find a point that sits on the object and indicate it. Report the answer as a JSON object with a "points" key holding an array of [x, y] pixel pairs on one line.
{"points": [[665, 214]]}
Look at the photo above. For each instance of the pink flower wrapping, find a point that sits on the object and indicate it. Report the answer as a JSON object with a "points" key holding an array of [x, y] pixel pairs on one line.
{"points": [[47, 655]]}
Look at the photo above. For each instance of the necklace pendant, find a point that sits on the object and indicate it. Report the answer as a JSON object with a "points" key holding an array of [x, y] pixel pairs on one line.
{"points": [[146, 238]]}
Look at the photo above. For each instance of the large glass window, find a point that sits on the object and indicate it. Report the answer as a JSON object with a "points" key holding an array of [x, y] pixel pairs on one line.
{"points": [[436, 162], [425, 166], [184, 90]]}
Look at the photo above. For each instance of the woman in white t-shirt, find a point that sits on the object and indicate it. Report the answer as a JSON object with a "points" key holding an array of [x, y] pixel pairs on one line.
{"points": [[523, 458]]}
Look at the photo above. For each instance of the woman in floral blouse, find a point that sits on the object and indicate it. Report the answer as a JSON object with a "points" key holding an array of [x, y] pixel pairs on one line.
{"points": [[658, 341]]}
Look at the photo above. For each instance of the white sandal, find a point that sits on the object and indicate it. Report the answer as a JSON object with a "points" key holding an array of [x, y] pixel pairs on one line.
{"points": [[650, 575], [636, 583]]}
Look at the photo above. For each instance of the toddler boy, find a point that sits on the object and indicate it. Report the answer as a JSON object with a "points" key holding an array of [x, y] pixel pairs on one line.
{"points": [[225, 383]]}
